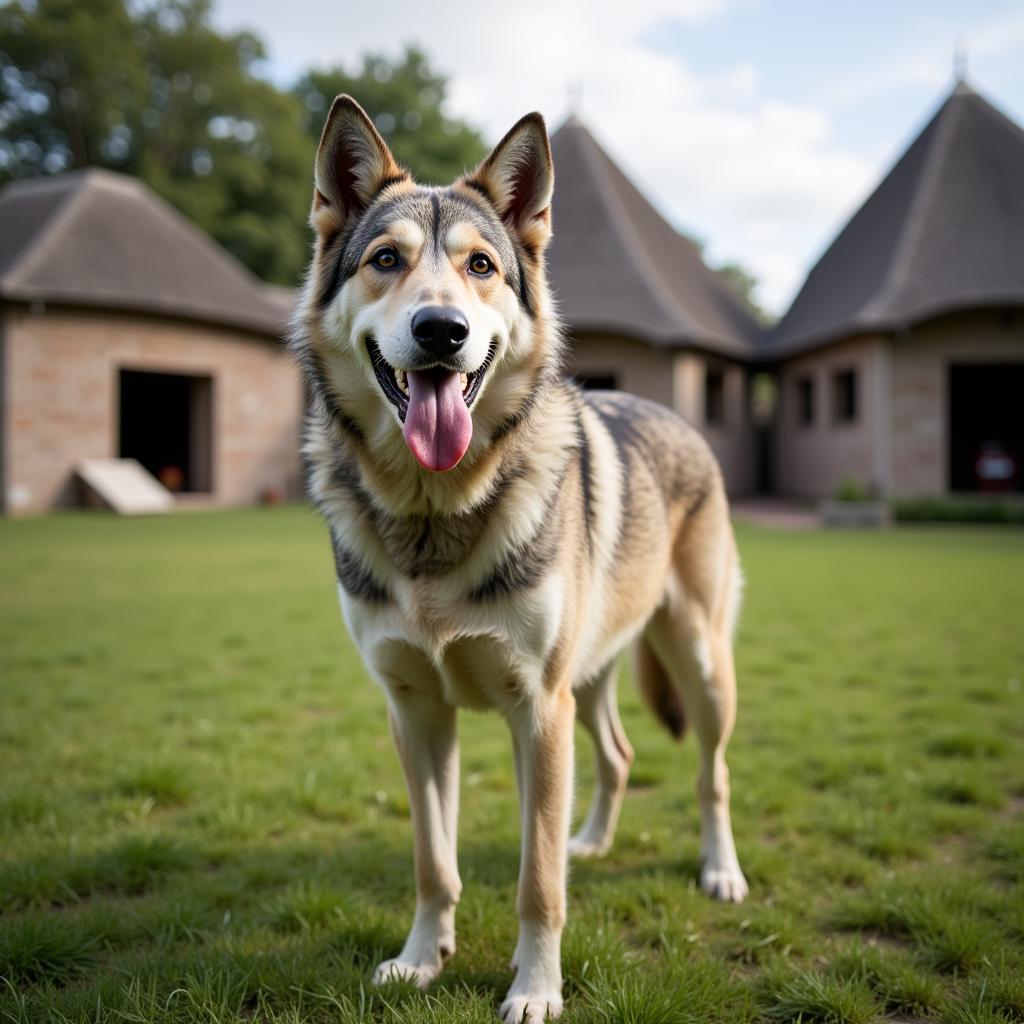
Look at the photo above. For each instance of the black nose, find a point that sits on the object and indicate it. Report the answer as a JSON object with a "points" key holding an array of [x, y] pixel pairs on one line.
{"points": [[441, 330]]}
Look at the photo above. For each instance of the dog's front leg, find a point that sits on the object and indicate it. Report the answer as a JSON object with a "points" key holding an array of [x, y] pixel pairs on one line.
{"points": [[542, 730], [424, 732]]}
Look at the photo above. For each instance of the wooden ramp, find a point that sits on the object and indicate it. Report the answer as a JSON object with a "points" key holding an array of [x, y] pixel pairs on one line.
{"points": [[123, 486]]}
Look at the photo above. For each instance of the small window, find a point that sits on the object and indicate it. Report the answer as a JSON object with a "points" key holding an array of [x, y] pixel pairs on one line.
{"points": [[844, 396], [597, 381], [714, 397], [805, 401]]}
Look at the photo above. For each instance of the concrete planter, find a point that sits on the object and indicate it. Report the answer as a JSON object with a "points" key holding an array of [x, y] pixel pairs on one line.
{"points": [[863, 515]]}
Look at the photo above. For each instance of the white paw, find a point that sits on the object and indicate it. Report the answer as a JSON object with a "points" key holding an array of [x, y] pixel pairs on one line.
{"points": [[531, 1009], [421, 975], [724, 881], [584, 845]]}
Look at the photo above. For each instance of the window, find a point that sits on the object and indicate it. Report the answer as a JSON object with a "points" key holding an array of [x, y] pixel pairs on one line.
{"points": [[597, 381], [805, 401], [714, 397], [844, 396]]}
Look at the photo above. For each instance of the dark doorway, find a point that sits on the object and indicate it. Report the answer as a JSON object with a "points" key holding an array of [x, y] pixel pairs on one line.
{"points": [[166, 423], [597, 381], [986, 428]]}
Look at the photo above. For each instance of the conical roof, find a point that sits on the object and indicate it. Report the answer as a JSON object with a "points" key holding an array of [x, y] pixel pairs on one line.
{"points": [[95, 238], [619, 268], [943, 231]]}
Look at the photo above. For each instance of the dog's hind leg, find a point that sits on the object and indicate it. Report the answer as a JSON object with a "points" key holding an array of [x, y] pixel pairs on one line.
{"points": [[598, 711], [692, 637], [423, 728]]}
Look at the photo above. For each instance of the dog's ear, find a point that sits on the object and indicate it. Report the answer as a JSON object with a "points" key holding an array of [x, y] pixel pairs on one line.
{"points": [[353, 164], [518, 178]]}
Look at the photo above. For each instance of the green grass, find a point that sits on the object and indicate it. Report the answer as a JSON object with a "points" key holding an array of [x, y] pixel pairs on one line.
{"points": [[202, 818]]}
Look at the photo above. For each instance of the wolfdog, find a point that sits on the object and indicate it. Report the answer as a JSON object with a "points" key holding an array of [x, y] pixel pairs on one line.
{"points": [[499, 535]]}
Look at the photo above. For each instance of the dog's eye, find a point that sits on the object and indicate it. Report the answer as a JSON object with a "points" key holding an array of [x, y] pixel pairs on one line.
{"points": [[385, 258], [480, 264]]}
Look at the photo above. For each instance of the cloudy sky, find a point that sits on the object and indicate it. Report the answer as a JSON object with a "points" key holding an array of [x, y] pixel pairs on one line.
{"points": [[756, 125]]}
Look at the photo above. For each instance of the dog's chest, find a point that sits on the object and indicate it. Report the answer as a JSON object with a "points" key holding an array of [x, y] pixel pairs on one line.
{"points": [[475, 654]]}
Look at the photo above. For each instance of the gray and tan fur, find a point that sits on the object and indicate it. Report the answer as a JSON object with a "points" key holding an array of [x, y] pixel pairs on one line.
{"points": [[574, 525]]}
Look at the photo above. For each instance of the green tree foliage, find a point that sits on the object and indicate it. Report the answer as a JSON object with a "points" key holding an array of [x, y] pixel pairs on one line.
{"points": [[68, 73], [736, 276], [404, 98], [222, 144], [743, 284], [155, 91]]}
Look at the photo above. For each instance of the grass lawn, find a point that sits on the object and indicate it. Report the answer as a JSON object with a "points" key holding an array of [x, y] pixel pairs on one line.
{"points": [[202, 818]]}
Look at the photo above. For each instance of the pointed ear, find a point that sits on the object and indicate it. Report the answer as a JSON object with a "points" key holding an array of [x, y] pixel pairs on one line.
{"points": [[518, 178], [353, 163]]}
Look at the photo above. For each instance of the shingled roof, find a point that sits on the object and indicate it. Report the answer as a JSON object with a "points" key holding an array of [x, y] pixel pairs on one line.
{"points": [[95, 238], [619, 268], [943, 231]]}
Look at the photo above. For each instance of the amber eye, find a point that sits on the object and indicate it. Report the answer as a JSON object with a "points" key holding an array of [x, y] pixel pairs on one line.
{"points": [[480, 264], [385, 258]]}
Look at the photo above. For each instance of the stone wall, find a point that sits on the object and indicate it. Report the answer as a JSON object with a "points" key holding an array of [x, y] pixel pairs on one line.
{"points": [[920, 390], [61, 379], [813, 459]]}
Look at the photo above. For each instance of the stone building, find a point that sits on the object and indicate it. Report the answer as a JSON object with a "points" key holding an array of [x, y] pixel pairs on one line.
{"points": [[643, 311], [126, 332], [901, 361]]}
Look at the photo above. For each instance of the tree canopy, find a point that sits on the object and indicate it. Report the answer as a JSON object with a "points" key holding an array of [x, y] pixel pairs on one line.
{"points": [[405, 99], [157, 92]]}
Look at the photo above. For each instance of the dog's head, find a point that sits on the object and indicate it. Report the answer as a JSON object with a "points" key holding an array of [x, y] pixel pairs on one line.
{"points": [[425, 319]]}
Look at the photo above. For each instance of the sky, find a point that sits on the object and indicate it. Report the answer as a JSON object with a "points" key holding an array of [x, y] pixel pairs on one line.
{"points": [[757, 126]]}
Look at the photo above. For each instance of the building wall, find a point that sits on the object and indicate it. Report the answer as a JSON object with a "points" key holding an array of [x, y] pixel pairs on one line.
{"points": [[677, 380], [637, 367], [61, 399], [920, 381], [812, 460], [732, 440]]}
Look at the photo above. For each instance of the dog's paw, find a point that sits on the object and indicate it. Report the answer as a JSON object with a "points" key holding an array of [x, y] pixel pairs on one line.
{"points": [[421, 975], [531, 1009], [584, 845], [724, 881]]}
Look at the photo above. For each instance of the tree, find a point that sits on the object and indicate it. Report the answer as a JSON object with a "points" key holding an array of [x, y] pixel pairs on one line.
{"points": [[161, 95], [222, 144], [405, 100], [736, 276], [743, 284], [68, 73], [157, 92]]}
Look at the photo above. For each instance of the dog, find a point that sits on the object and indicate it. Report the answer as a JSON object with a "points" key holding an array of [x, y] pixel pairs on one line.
{"points": [[499, 535]]}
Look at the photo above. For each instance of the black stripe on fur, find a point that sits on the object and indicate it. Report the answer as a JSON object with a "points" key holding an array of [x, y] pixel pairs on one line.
{"points": [[356, 580]]}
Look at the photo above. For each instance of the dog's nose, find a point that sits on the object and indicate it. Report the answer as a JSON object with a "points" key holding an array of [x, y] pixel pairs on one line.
{"points": [[441, 330]]}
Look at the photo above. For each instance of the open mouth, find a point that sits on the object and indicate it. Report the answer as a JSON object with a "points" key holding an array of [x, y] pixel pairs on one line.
{"points": [[395, 382], [433, 405]]}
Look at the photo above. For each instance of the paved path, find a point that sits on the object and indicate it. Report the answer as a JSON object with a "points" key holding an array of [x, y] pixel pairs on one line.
{"points": [[776, 512]]}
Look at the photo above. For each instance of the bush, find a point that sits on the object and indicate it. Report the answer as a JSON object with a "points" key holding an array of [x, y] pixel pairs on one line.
{"points": [[851, 489], [963, 510]]}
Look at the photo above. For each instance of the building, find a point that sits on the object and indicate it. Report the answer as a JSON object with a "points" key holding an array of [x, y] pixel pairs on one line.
{"points": [[643, 311], [900, 364], [126, 332]]}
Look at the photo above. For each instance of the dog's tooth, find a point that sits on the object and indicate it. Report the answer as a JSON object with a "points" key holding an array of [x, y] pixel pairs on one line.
{"points": [[464, 377]]}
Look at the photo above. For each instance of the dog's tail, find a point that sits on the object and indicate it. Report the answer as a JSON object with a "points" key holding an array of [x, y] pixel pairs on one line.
{"points": [[658, 691]]}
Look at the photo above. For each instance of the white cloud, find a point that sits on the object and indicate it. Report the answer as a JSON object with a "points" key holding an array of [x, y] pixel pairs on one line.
{"points": [[757, 179]]}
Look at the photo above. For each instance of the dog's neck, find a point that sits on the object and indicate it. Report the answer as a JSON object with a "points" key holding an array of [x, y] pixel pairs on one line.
{"points": [[399, 488]]}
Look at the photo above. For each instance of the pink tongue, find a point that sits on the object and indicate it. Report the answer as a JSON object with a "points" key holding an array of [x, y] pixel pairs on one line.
{"points": [[438, 427]]}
